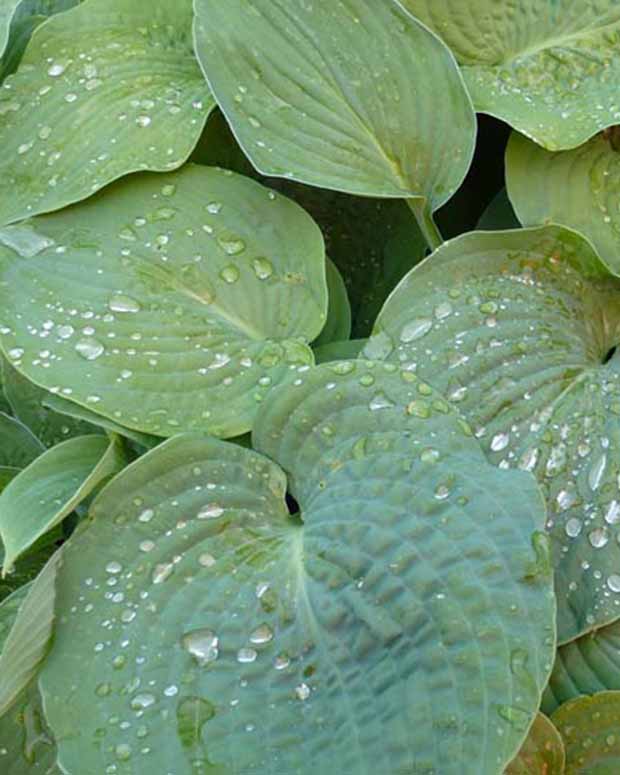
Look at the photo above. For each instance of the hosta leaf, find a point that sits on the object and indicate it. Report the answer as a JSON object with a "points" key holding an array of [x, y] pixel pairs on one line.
{"points": [[107, 88], [549, 68], [587, 665], [9, 609], [542, 752], [369, 102], [338, 324], [18, 446], [6, 474], [577, 188], [28, 640], [516, 328], [339, 351], [82, 414], [28, 404], [7, 11], [26, 746], [589, 728], [373, 242], [407, 609], [174, 302], [43, 494], [28, 16]]}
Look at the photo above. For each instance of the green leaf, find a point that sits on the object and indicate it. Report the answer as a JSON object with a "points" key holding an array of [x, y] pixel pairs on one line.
{"points": [[516, 327], [68, 409], [206, 294], [549, 68], [589, 728], [499, 214], [339, 351], [404, 607], [28, 403], [6, 474], [338, 324], [9, 609], [368, 102], [576, 188], [26, 746], [7, 11], [43, 494], [28, 15], [541, 753], [18, 446], [107, 88], [28, 641], [587, 665]]}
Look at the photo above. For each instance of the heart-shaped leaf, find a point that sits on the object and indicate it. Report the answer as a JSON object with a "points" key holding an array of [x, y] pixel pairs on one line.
{"points": [[338, 324], [27, 402], [577, 188], [27, 642], [166, 303], [542, 753], [18, 445], [43, 494], [589, 728], [107, 88], [548, 68], [404, 607], [370, 102], [516, 328], [587, 665]]}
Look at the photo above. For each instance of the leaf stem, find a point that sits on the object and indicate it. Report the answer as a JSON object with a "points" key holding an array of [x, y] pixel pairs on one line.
{"points": [[427, 225]]}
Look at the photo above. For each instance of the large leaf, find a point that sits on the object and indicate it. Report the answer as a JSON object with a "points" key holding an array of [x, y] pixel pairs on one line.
{"points": [[338, 324], [549, 68], [43, 494], [107, 88], [29, 638], [28, 15], [18, 446], [177, 302], [542, 752], [369, 102], [589, 727], [577, 188], [28, 403], [516, 328], [26, 746], [587, 665], [9, 608], [404, 623], [7, 11], [373, 242]]}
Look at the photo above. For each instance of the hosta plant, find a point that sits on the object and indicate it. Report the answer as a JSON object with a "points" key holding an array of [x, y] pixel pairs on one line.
{"points": [[309, 390]]}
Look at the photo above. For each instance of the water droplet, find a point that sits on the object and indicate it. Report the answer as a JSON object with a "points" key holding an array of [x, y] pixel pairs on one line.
{"points": [[246, 655], [23, 239], [596, 472], [143, 120], [565, 499], [302, 691], [142, 701], [415, 329], [123, 752], [500, 441], [263, 268], [443, 310], [55, 70], [202, 644], [380, 401], [281, 662], [613, 582], [65, 332], [419, 408], [214, 207], [89, 348], [113, 567], [206, 560], [231, 245], [612, 515], [230, 274], [146, 515], [598, 537], [15, 353], [210, 511], [573, 527], [261, 635], [122, 303]]}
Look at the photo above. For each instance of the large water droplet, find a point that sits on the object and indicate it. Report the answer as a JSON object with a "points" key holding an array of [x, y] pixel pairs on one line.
{"points": [[499, 442], [142, 701], [161, 572], [23, 239], [246, 655], [202, 644], [380, 401], [231, 245], [261, 635], [89, 348], [210, 511], [598, 537], [415, 329], [230, 274], [263, 268]]}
